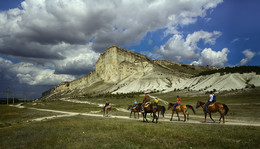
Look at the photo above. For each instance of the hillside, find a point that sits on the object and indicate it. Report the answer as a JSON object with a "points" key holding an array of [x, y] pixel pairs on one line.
{"points": [[122, 71], [185, 68]]}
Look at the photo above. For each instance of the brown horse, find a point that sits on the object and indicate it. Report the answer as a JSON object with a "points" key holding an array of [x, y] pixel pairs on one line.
{"points": [[151, 108], [212, 108], [107, 109], [137, 109], [181, 108], [161, 109]]}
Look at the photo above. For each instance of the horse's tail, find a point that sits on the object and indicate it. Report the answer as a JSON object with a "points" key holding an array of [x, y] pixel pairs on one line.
{"points": [[191, 107], [226, 109], [139, 107], [162, 110]]}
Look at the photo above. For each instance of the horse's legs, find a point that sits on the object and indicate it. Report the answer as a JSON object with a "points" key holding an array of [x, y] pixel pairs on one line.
{"points": [[105, 112], [211, 117], [157, 118], [221, 115], [146, 117], [184, 116], [130, 113], [178, 116], [205, 117], [154, 116], [134, 115], [172, 115]]}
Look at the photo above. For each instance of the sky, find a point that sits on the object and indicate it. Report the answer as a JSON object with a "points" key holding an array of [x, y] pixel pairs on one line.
{"points": [[46, 42]]}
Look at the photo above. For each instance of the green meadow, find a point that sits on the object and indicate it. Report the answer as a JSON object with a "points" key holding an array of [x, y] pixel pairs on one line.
{"points": [[18, 130]]}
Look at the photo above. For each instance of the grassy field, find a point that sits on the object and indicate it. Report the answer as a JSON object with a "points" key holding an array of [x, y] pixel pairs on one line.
{"points": [[18, 131]]}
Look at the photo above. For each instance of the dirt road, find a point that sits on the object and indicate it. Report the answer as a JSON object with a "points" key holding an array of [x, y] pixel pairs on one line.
{"points": [[194, 118]]}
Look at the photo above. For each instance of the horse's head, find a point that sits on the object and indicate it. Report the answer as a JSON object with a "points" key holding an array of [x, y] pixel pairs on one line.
{"points": [[198, 104], [129, 106], [170, 105]]}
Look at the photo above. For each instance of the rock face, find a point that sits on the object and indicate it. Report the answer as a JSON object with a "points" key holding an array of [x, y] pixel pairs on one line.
{"points": [[122, 71], [115, 69], [117, 64]]}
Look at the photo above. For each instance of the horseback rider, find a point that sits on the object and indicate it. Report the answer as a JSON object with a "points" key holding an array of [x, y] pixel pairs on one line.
{"points": [[156, 101], [177, 103], [135, 103], [210, 101], [107, 104], [145, 100]]}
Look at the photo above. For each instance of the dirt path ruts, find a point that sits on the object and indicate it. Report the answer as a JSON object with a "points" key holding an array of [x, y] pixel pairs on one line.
{"points": [[166, 119]]}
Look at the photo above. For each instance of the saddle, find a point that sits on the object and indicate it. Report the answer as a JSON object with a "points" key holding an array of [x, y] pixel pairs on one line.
{"points": [[212, 104], [147, 104], [178, 108], [107, 107]]}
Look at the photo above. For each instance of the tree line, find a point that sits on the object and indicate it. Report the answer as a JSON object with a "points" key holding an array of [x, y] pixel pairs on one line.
{"points": [[240, 69]]}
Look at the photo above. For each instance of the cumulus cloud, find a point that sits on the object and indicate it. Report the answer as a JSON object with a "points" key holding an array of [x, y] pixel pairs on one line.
{"points": [[28, 73], [39, 29], [212, 58], [178, 48], [66, 37], [248, 56], [104, 22]]}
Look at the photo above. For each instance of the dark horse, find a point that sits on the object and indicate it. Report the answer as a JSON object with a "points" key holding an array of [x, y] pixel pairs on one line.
{"points": [[181, 108], [153, 108], [212, 108], [137, 109], [161, 109]]}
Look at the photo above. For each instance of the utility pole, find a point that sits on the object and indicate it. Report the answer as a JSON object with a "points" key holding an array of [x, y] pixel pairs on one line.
{"points": [[7, 100], [13, 97]]}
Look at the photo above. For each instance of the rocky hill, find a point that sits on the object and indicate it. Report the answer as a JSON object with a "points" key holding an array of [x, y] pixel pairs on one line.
{"points": [[122, 71]]}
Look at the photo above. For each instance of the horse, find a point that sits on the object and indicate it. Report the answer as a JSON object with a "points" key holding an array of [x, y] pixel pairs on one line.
{"points": [[161, 109], [137, 109], [151, 108], [212, 108], [181, 108], [106, 110]]}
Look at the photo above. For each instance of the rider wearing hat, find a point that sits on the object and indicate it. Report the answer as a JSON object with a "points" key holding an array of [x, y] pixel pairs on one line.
{"points": [[145, 100]]}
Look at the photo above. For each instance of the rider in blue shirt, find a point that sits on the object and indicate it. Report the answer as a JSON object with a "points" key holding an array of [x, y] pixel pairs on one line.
{"points": [[135, 103]]}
